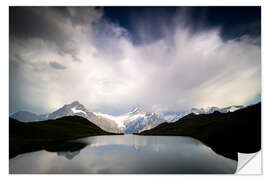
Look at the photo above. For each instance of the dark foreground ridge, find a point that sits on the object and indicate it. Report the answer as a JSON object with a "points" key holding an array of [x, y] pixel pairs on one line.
{"points": [[33, 136], [225, 133]]}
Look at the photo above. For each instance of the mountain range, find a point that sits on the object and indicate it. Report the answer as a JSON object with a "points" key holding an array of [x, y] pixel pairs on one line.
{"points": [[135, 121]]}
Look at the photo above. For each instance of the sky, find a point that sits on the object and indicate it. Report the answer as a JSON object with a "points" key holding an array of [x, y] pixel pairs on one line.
{"points": [[115, 58]]}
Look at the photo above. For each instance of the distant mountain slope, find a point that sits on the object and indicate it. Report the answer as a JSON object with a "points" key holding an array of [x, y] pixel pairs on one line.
{"points": [[25, 137], [75, 108], [175, 116], [135, 120], [72, 109], [226, 133], [25, 116], [148, 121]]}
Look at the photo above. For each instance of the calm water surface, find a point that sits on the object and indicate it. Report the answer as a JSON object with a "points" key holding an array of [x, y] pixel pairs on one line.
{"points": [[127, 154]]}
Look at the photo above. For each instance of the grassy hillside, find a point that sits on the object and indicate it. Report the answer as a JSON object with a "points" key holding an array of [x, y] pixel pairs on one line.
{"points": [[225, 133], [32, 136]]}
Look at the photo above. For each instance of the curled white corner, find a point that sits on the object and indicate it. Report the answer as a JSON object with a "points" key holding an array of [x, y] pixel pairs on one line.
{"points": [[244, 159]]}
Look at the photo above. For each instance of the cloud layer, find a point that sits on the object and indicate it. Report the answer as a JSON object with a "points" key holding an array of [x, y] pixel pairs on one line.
{"points": [[58, 55]]}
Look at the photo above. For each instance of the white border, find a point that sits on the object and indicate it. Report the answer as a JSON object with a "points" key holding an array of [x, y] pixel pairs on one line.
{"points": [[4, 76]]}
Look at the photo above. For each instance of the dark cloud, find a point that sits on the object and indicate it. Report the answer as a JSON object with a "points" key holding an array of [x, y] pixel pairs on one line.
{"points": [[43, 23], [56, 65], [30, 22]]}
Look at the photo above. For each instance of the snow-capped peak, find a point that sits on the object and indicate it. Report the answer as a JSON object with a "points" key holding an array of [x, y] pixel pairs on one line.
{"points": [[75, 111], [118, 119], [124, 119], [68, 110], [137, 110], [75, 103], [231, 108]]}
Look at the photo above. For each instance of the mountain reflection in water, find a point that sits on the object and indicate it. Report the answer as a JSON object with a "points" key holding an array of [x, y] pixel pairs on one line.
{"points": [[68, 155], [127, 154]]}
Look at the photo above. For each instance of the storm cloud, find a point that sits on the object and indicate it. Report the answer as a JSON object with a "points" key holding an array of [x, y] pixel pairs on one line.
{"points": [[58, 55]]}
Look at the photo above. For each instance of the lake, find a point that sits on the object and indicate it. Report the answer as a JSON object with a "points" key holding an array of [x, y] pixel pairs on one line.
{"points": [[127, 154]]}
